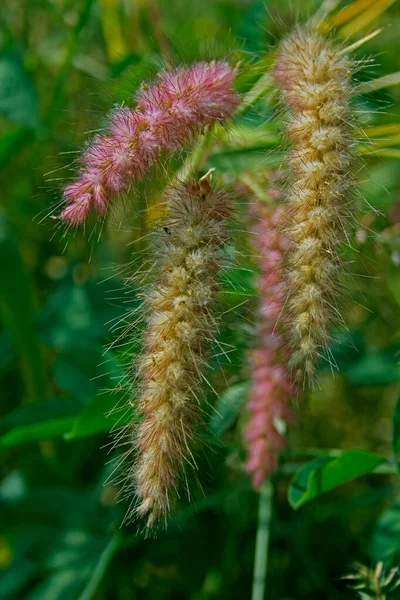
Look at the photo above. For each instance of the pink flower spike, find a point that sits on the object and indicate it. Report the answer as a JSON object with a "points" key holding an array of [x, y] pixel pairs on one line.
{"points": [[76, 213], [124, 124], [268, 401], [101, 200], [169, 113]]}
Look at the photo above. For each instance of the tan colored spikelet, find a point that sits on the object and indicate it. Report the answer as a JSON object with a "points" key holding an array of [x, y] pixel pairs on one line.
{"points": [[180, 326], [374, 583], [315, 80]]}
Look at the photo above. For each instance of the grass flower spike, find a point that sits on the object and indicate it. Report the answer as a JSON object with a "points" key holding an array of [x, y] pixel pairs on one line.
{"points": [[315, 80], [167, 116], [180, 327], [269, 395]]}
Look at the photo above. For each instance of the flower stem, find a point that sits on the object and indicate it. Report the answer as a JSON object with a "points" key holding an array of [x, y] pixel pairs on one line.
{"points": [[207, 141], [262, 541]]}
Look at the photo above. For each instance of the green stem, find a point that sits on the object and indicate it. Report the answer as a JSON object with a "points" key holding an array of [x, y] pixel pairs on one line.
{"points": [[323, 11], [262, 541], [261, 86], [206, 142], [101, 567]]}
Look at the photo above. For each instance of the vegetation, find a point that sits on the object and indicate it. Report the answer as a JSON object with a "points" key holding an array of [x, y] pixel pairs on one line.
{"points": [[69, 297]]}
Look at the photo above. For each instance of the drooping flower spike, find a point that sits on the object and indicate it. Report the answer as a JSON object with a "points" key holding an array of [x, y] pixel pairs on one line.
{"points": [[167, 116], [315, 80], [268, 404], [180, 325]]}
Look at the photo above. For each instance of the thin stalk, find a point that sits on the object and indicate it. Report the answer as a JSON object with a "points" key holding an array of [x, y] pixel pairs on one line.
{"points": [[262, 541], [206, 142], [203, 144]]}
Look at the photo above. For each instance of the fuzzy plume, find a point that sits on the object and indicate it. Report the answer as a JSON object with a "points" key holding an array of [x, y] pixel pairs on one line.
{"points": [[180, 326], [315, 81], [268, 402], [167, 116]]}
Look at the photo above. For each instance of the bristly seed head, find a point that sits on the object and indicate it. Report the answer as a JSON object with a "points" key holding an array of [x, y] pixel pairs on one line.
{"points": [[180, 324], [316, 88]]}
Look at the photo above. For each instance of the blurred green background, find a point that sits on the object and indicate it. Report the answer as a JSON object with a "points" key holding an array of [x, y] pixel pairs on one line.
{"points": [[63, 64]]}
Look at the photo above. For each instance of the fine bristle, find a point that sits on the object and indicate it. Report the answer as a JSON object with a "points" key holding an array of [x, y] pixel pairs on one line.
{"points": [[315, 81], [180, 326]]}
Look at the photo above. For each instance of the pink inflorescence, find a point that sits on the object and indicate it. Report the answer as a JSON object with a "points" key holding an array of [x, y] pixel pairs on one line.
{"points": [[268, 403], [167, 116]]}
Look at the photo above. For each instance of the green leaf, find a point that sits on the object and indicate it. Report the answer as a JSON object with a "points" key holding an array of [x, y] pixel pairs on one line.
{"points": [[29, 414], [75, 562], [327, 473], [101, 567], [385, 542], [80, 369], [109, 409], [11, 142], [239, 281], [106, 411], [37, 432], [39, 421], [13, 579], [347, 349], [7, 352], [81, 311], [13, 488], [374, 369], [52, 508], [18, 101], [63, 583], [251, 159], [228, 407], [253, 26], [17, 308], [245, 138]]}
